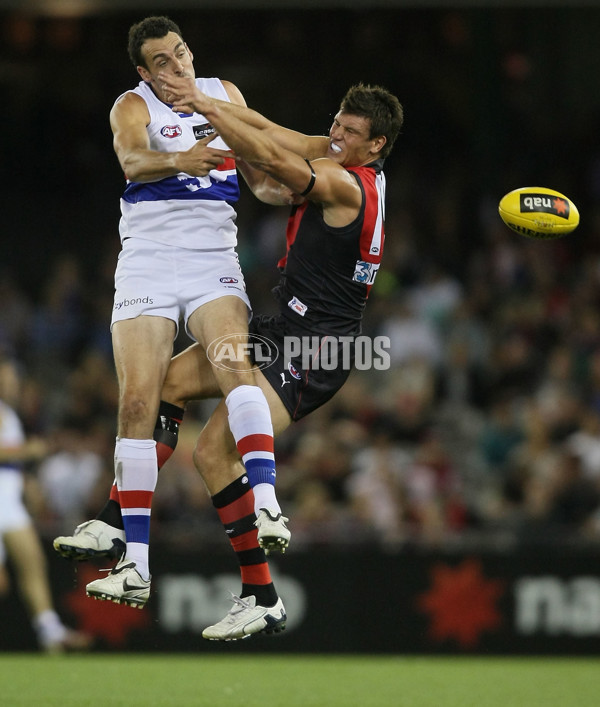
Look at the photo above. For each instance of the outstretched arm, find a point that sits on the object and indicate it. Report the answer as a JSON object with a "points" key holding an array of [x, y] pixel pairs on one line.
{"points": [[187, 97], [322, 180]]}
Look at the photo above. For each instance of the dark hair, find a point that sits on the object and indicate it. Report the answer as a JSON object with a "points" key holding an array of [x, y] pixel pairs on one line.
{"points": [[149, 28], [380, 106]]}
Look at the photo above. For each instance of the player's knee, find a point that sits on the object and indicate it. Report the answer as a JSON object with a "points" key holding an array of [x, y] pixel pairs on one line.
{"points": [[172, 393], [176, 388]]}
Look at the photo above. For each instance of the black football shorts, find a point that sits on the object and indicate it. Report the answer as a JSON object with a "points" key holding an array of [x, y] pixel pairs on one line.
{"points": [[304, 370]]}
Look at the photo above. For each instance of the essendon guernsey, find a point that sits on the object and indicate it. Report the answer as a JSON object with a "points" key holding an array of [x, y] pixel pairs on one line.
{"points": [[328, 272]]}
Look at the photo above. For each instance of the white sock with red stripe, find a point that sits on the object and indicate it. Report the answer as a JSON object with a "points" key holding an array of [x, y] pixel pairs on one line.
{"points": [[250, 424], [136, 471]]}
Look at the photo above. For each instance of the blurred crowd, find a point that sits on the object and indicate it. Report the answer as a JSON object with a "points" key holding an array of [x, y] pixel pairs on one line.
{"points": [[486, 427]]}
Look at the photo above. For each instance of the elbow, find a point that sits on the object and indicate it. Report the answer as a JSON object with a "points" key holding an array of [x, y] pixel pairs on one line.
{"points": [[132, 171]]}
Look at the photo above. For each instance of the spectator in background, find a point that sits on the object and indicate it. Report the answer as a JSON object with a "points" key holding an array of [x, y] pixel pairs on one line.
{"points": [[376, 491], [562, 507], [70, 474], [15, 316], [411, 336], [57, 325], [501, 433], [584, 443]]}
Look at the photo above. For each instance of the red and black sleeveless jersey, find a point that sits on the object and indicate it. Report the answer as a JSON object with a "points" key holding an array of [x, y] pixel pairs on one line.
{"points": [[327, 272]]}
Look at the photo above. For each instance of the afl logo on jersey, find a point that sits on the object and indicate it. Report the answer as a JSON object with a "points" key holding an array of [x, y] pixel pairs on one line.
{"points": [[228, 280], [171, 131]]}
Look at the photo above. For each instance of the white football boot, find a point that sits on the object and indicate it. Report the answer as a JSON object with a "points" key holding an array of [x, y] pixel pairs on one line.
{"points": [[91, 539], [245, 618], [273, 533], [122, 585]]}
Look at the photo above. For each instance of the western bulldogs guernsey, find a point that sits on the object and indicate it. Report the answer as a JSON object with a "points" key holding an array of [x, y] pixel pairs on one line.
{"points": [[11, 434], [184, 211], [327, 272]]}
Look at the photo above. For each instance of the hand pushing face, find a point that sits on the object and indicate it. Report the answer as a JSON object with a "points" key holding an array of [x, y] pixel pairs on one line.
{"points": [[168, 56]]}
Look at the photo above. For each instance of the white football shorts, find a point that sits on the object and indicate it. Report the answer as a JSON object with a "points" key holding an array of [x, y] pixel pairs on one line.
{"points": [[168, 281], [13, 514]]}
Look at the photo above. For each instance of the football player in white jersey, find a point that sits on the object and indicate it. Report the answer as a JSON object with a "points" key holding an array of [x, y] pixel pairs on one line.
{"points": [[178, 261], [19, 540]]}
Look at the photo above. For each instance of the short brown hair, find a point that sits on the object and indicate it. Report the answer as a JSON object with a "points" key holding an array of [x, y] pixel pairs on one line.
{"points": [[380, 106], [149, 28]]}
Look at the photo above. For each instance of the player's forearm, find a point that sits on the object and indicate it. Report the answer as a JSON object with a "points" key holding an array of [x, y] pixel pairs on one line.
{"points": [[247, 141], [28, 451], [307, 146], [12, 455], [255, 147], [150, 165], [187, 96], [288, 139]]}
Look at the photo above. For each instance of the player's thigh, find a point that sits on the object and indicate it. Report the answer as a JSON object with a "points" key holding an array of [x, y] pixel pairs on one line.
{"points": [[24, 548], [142, 349], [221, 326], [190, 377], [222, 316]]}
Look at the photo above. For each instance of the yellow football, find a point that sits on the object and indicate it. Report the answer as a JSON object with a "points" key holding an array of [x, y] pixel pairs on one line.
{"points": [[537, 212]]}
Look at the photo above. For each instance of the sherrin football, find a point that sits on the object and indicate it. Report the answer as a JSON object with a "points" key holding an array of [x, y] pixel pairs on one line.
{"points": [[537, 212]]}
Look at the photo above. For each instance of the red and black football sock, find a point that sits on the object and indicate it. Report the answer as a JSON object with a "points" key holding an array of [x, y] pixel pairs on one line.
{"points": [[111, 513], [235, 506], [166, 431], [165, 435]]}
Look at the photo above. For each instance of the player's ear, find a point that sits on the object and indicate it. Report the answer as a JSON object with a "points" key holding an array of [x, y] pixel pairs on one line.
{"points": [[378, 143], [144, 73]]}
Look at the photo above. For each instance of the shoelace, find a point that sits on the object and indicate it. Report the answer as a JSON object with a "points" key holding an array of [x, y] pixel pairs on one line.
{"points": [[239, 604], [111, 569]]}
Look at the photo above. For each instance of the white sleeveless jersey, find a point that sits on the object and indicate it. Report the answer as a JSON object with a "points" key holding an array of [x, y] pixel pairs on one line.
{"points": [[11, 433], [185, 211]]}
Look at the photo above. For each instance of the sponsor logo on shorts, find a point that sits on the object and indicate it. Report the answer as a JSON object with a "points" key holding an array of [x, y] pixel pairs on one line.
{"points": [[228, 280], [131, 302], [171, 131], [297, 306], [294, 372]]}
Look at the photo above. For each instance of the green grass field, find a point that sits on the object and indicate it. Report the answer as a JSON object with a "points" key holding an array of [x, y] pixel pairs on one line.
{"points": [[296, 681]]}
